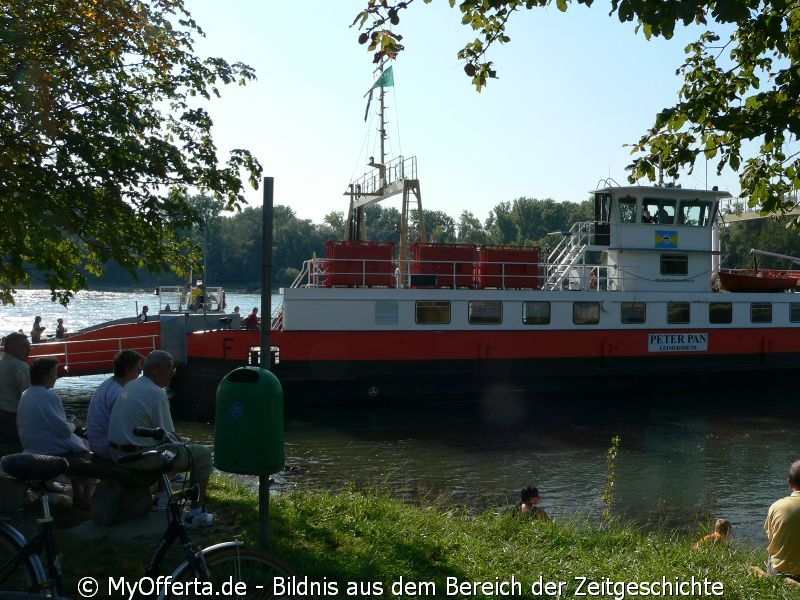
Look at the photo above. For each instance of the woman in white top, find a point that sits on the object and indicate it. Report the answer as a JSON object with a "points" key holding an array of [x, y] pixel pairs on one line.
{"points": [[43, 426]]}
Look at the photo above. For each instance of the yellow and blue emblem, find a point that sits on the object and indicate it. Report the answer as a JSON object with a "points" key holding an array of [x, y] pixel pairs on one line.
{"points": [[666, 239]]}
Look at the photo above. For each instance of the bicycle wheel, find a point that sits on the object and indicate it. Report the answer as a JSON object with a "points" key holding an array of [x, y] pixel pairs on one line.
{"points": [[247, 573], [22, 576]]}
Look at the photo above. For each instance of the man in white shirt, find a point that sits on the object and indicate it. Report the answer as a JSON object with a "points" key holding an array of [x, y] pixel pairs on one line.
{"points": [[14, 379], [127, 366], [143, 402]]}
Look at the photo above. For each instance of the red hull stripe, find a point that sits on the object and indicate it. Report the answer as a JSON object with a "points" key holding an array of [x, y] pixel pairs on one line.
{"points": [[469, 345]]}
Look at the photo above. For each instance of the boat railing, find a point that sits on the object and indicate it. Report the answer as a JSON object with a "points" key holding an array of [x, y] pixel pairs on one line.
{"points": [[395, 170], [94, 356], [465, 274], [178, 298], [305, 274], [276, 322]]}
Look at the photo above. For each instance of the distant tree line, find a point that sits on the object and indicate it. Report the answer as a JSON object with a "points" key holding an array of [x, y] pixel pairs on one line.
{"points": [[233, 243]]}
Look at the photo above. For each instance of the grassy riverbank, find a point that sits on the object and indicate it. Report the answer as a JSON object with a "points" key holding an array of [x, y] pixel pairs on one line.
{"points": [[376, 541]]}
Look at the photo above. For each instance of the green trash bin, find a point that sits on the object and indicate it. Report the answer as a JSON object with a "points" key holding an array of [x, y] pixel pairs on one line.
{"points": [[248, 430]]}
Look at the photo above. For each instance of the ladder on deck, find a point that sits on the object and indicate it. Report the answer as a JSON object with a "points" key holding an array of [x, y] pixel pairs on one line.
{"points": [[567, 255]]}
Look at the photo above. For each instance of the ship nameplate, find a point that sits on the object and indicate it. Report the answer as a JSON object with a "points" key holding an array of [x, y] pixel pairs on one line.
{"points": [[677, 342]]}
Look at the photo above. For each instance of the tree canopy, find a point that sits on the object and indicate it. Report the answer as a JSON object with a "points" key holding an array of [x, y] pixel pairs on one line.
{"points": [[233, 241], [740, 99], [102, 136]]}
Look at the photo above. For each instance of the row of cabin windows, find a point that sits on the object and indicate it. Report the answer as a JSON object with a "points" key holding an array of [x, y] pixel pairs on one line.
{"points": [[490, 312], [663, 211]]}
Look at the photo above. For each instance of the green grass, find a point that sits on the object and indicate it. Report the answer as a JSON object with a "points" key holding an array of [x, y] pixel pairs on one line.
{"points": [[371, 539]]}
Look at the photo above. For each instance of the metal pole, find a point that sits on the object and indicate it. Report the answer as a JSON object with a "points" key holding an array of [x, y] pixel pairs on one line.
{"points": [[263, 510], [266, 326], [266, 273]]}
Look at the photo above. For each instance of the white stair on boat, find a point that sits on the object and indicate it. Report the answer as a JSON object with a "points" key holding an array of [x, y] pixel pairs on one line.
{"points": [[566, 255]]}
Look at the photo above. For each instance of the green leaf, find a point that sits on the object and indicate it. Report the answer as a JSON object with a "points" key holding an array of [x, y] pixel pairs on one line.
{"points": [[96, 176]]}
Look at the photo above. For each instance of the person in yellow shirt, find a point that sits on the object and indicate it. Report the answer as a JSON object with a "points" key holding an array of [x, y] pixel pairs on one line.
{"points": [[783, 530]]}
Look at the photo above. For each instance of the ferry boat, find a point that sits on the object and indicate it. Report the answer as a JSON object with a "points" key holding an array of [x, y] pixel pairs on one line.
{"points": [[627, 300], [459, 320]]}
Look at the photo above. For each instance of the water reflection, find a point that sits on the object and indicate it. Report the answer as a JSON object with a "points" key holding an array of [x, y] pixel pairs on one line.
{"points": [[683, 457], [678, 466]]}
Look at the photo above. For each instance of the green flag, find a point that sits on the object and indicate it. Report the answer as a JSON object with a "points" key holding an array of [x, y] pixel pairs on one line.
{"points": [[386, 79]]}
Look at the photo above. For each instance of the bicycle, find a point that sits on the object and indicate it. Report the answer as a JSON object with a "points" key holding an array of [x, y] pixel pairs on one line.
{"points": [[21, 567], [225, 564]]}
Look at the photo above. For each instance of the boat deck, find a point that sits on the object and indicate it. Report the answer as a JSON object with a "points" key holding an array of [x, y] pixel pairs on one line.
{"points": [[92, 351]]}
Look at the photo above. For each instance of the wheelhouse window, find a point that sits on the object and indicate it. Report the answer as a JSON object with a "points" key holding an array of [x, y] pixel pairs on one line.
{"points": [[627, 209], [433, 312], [674, 264], [586, 313], [658, 210], [602, 207], [536, 313], [794, 312], [695, 213], [761, 312], [485, 312], [720, 312], [678, 313], [633, 312]]}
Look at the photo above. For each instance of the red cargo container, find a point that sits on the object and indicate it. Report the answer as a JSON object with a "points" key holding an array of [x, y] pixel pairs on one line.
{"points": [[509, 267], [443, 265], [359, 264]]}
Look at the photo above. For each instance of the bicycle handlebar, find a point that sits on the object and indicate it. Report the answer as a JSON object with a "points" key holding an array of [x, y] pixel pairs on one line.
{"points": [[156, 433], [166, 455], [134, 456]]}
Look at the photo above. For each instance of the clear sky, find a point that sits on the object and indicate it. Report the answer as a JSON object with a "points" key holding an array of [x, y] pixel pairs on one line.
{"points": [[573, 89]]}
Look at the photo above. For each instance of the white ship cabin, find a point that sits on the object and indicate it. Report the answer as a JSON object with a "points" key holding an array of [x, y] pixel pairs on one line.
{"points": [[655, 238]]}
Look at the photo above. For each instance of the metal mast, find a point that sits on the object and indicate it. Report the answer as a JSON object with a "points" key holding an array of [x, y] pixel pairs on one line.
{"points": [[398, 176]]}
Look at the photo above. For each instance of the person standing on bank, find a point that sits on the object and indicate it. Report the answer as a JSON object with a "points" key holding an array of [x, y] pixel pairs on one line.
{"points": [[14, 379], [783, 530], [143, 402], [127, 366]]}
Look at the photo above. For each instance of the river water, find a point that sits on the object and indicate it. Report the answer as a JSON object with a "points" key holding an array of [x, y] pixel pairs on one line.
{"points": [[679, 464]]}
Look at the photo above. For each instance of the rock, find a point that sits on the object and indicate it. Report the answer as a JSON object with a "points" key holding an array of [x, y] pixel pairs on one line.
{"points": [[112, 503]]}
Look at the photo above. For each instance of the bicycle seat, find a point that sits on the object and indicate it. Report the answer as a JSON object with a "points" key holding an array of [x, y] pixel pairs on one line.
{"points": [[33, 467]]}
